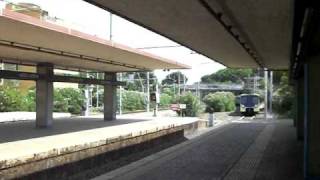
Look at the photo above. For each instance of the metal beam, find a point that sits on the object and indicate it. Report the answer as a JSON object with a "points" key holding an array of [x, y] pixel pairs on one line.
{"points": [[5, 74]]}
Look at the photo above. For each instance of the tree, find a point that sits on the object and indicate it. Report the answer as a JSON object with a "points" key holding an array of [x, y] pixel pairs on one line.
{"points": [[173, 78], [227, 75], [283, 97]]}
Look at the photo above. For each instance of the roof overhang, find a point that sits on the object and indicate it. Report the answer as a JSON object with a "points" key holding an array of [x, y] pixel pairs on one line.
{"points": [[238, 33], [28, 40]]}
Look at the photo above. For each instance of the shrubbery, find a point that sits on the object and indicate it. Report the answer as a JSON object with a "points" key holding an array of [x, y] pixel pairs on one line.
{"points": [[165, 100], [283, 99], [192, 102], [68, 100], [11, 99], [65, 100], [133, 100], [220, 101]]}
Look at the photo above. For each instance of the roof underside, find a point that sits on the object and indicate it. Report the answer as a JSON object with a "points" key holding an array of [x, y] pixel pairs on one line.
{"points": [[236, 33], [28, 40]]}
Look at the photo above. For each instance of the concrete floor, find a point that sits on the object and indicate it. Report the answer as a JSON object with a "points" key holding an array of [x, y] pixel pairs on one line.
{"points": [[22, 130], [240, 150]]}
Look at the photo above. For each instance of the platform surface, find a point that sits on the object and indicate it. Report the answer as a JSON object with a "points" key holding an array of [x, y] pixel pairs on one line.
{"points": [[244, 150], [21, 142]]}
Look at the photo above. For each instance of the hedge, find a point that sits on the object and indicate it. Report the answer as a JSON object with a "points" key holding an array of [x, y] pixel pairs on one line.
{"points": [[65, 100], [133, 100], [193, 105], [220, 101]]}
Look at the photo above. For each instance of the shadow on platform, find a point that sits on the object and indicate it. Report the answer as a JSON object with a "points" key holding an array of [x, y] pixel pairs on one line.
{"points": [[22, 130]]}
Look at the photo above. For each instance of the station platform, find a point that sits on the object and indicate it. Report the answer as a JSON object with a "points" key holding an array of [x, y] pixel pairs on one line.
{"points": [[25, 149], [242, 150]]}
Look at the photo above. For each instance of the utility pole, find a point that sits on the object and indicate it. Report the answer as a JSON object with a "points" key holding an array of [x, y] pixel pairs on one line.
{"points": [[120, 74], [198, 90], [97, 93], [179, 83], [148, 92], [110, 27], [86, 94], [184, 84], [157, 100]]}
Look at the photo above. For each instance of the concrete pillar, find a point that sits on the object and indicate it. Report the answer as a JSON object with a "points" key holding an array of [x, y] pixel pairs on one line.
{"points": [[312, 117], [299, 119], [265, 94], [44, 96], [110, 98]]}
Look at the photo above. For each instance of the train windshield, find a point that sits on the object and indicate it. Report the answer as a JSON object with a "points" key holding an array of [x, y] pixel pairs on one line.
{"points": [[249, 101]]}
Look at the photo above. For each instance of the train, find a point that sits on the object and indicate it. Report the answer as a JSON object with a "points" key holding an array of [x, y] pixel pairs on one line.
{"points": [[249, 104]]}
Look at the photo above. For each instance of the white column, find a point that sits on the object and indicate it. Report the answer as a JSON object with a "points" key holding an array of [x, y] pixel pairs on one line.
{"points": [[265, 94], [148, 92], [270, 91]]}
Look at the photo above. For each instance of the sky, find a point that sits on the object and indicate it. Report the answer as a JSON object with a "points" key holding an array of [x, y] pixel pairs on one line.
{"points": [[93, 20]]}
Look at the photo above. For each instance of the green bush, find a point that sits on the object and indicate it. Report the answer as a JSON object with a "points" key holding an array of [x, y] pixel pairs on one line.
{"points": [[165, 100], [11, 99], [133, 100], [283, 99], [64, 100], [30, 100], [220, 101], [192, 102], [68, 100]]}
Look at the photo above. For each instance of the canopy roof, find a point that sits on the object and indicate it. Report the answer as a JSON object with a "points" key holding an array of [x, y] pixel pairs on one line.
{"points": [[28, 40], [236, 33]]}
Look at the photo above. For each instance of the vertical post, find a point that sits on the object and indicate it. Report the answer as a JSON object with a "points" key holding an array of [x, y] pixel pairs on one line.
{"points": [[312, 114], [265, 94], [1, 80], [110, 27], [184, 84], [300, 95], [44, 96], [120, 95], [270, 91], [110, 97], [157, 101], [86, 95], [306, 119], [254, 83], [97, 93], [148, 92], [179, 82]]}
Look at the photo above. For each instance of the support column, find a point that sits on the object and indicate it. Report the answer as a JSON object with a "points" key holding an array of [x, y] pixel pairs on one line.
{"points": [[265, 94], [299, 119], [312, 117], [148, 91], [270, 92], [110, 98], [44, 96]]}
